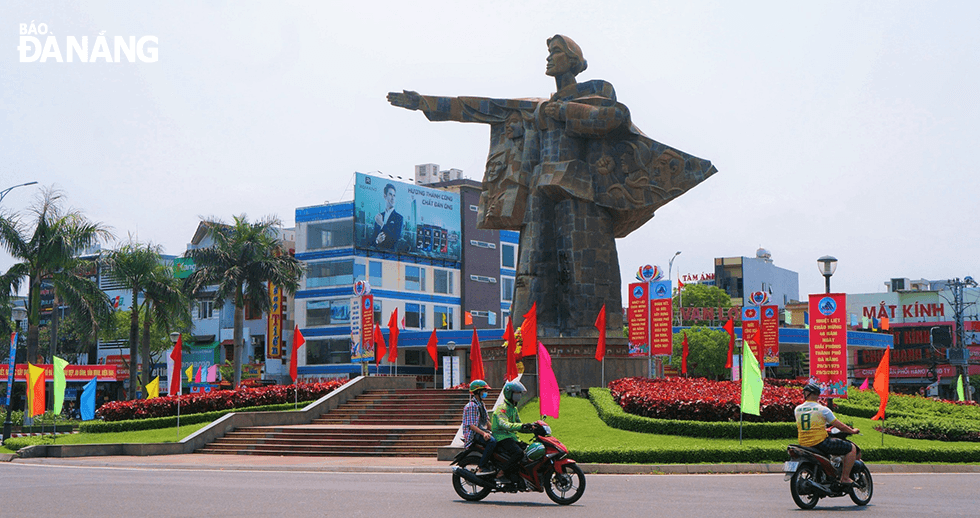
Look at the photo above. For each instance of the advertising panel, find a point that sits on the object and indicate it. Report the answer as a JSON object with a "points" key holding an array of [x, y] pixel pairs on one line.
{"points": [[769, 324], [401, 218], [273, 344], [750, 324], [661, 314], [362, 329], [638, 316], [828, 343]]}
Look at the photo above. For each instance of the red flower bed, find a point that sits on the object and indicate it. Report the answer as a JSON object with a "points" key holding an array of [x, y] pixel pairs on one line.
{"points": [[790, 382], [699, 399], [166, 406]]}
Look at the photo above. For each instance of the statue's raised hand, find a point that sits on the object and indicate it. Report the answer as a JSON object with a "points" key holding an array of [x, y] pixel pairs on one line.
{"points": [[406, 99]]}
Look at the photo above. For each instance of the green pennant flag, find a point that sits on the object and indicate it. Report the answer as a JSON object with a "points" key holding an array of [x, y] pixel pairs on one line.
{"points": [[59, 384], [751, 382], [959, 388]]}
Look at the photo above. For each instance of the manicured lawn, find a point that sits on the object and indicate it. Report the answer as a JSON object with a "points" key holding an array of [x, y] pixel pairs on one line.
{"points": [[140, 436]]}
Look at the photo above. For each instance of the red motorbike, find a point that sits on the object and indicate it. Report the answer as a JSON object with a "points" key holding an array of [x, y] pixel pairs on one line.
{"points": [[545, 466], [814, 475]]}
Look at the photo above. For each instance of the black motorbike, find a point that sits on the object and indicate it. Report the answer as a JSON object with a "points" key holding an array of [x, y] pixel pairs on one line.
{"points": [[545, 466], [814, 475]]}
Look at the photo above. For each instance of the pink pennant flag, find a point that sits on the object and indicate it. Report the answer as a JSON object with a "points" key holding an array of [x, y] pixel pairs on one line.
{"points": [[212, 374], [548, 384], [197, 377], [864, 386]]}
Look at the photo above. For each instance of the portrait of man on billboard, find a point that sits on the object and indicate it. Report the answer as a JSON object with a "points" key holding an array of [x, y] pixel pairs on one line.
{"points": [[388, 223]]}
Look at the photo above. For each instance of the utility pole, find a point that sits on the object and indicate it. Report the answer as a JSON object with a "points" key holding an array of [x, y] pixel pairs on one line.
{"points": [[959, 355]]}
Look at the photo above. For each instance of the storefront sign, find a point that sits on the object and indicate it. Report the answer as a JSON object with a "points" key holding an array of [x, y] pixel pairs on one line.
{"points": [[828, 343]]}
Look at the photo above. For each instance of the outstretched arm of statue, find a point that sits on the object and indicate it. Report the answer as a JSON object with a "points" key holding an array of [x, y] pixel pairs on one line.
{"points": [[406, 99], [586, 120], [461, 109]]}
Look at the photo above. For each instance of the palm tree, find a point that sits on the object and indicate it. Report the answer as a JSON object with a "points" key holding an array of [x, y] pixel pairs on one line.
{"points": [[141, 269], [47, 247], [242, 259]]}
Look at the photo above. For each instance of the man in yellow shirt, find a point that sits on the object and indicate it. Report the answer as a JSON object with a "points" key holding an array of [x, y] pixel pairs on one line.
{"points": [[812, 421]]}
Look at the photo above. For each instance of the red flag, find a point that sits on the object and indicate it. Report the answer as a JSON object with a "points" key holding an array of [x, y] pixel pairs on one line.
{"points": [[379, 346], [684, 356], [392, 340], [529, 332], [175, 377], [680, 285], [600, 323], [730, 327], [476, 359], [511, 348], [884, 324], [393, 329], [468, 319], [881, 384], [298, 341], [433, 348]]}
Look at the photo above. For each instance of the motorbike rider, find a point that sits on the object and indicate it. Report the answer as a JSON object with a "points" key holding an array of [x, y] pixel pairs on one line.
{"points": [[506, 424], [812, 421], [476, 423]]}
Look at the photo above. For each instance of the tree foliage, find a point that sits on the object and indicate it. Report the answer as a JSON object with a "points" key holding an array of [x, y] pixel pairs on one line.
{"points": [[707, 352]]}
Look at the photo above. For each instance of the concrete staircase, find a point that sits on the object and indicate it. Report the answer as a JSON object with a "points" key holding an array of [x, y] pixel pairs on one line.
{"points": [[392, 423]]}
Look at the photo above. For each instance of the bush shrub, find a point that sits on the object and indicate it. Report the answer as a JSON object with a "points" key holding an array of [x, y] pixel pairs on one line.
{"points": [[699, 399], [935, 428], [166, 406], [614, 415]]}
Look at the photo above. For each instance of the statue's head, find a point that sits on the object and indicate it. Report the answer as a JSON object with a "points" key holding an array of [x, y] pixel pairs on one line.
{"points": [[564, 55]]}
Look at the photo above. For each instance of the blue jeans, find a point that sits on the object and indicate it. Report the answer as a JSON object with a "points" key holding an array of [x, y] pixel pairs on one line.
{"points": [[488, 446]]}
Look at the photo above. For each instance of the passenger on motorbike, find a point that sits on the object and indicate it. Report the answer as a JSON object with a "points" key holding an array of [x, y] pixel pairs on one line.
{"points": [[812, 421], [506, 424], [476, 423]]}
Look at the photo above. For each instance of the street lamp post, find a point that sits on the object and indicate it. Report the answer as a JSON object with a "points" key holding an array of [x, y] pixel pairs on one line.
{"points": [[827, 265], [670, 268], [18, 314], [4, 192], [449, 372]]}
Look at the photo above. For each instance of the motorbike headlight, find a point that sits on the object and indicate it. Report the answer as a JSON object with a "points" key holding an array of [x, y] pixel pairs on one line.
{"points": [[547, 429]]}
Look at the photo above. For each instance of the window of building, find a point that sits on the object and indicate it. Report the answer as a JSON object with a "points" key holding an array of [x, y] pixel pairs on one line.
{"points": [[205, 308], [483, 244], [443, 316], [326, 351], [508, 255], [483, 278], [330, 273], [330, 234], [327, 312], [414, 357], [442, 281], [415, 316], [374, 273], [377, 313], [506, 289], [474, 208], [252, 311], [414, 278]]}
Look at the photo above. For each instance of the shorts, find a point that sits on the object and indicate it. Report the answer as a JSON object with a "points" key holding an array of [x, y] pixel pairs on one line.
{"points": [[832, 446]]}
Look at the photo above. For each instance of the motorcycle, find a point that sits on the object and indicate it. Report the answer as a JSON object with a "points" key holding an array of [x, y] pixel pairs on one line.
{"points": [[814, 475], [545, 466]]}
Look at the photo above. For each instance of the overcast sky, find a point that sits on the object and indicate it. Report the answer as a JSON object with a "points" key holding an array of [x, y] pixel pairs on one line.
{"points": [[842, 128]]}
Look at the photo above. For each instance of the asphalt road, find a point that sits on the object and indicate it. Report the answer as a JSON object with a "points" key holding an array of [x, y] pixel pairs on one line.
{"points": [[40, 490]]}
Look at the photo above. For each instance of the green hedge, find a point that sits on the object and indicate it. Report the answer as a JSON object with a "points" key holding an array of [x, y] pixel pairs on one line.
{"points": [[900, 405], [614, 415], [168, 422], [935, 428]]}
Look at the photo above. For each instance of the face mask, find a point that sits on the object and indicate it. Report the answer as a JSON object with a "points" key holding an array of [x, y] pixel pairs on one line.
{"points": [[483, 395]]}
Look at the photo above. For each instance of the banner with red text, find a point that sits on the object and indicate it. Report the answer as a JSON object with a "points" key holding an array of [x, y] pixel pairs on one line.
{"points": [[751, 317], [828, 343], [638, 318], [362, 328], [72, 372], [273, 336], [661, 316], [769, 324]]}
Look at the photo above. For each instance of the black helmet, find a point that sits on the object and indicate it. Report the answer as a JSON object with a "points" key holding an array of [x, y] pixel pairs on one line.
{"points": [[811, 388]]}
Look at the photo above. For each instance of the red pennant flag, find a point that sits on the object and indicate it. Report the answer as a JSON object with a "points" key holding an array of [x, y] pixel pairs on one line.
{"points": [[476, 359], [433, 348], [468, 319], [298, 341], [511, 350], [392, 344], [379, 346], [730, 327], [175, 377], [600, 323], [529, 332], [684, 356], [680, 285], [884, 324], [393, 330], [881, 384]]}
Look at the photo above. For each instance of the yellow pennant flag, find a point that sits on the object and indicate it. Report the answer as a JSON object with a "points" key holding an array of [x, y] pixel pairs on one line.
{"points": [[190, 374], [153, 388]]}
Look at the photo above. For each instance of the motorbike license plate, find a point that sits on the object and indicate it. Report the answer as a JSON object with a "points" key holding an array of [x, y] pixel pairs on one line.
{"points": [[789, 468]]}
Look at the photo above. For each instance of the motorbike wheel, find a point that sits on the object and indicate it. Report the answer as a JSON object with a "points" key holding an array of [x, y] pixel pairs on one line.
{"points": [[804, 472], [566, 487], [464, 488], [863, 486]]}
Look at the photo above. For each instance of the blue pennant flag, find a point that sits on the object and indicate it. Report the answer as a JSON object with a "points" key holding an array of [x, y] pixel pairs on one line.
{"points": [[86, 406]]}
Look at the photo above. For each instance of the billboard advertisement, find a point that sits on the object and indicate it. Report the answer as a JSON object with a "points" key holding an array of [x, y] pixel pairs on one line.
{"points": [[638, 317], [828, 343], [769, 324], [661, 314], [401, 218]]}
